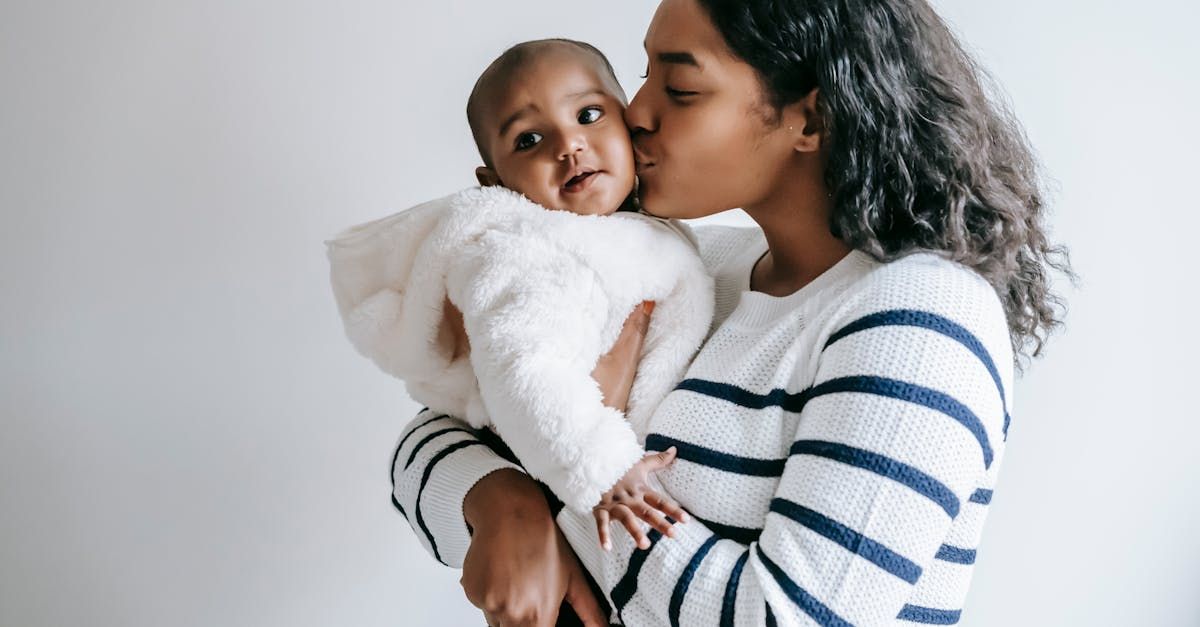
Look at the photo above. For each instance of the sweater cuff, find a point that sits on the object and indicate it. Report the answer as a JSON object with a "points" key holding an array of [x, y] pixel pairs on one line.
{"points": [[442, 500]]}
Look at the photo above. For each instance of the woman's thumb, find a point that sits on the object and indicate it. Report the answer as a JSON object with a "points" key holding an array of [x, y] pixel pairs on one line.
{"points": [[583, 601]]}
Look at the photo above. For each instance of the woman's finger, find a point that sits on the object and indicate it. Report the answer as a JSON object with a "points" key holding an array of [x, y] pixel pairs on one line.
{"points": [[583, 600], [602, 520], [666, 505]]}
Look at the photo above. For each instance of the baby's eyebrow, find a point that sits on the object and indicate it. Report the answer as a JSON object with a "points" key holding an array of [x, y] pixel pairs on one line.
{"points": [[595, 91], [512, 119]]}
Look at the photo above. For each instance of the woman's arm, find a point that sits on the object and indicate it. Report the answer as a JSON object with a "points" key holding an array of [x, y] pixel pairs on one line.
{"points": [[437, 462], [904, 418], [473, 508], [517, 567]]}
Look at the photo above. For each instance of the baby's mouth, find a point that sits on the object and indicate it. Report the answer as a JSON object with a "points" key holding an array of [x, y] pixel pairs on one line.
{"points": [[580, 181]]}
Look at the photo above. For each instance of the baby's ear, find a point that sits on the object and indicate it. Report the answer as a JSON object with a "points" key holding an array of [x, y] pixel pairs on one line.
{"points": [[487, 177]]}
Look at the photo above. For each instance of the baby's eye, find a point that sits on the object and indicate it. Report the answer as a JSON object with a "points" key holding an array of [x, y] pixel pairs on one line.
{"points": [[590, 115], [525, 141]]}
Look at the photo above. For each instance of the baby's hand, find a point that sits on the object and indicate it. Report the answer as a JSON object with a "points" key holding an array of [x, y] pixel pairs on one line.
{"points": [[631, 499]]}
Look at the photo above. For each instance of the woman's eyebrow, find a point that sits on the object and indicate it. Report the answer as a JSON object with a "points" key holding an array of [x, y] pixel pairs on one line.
{"points": [[678, 58]]}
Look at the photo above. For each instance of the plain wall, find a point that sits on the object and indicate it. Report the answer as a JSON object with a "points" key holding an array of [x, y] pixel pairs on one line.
{"points": [[186, 438]]}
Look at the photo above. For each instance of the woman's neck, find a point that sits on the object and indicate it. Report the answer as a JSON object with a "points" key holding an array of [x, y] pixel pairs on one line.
{"points": [[800, 244]]}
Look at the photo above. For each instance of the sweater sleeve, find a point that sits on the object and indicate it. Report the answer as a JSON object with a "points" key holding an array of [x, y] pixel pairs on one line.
{"points": [[905, 415], [438, 460]]}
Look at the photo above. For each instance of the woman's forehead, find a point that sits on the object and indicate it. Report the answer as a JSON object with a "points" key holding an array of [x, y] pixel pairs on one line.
{"points": [[682, 28]]}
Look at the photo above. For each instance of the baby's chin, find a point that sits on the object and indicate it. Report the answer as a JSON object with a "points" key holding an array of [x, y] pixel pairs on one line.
{"points": [[596, 203]]}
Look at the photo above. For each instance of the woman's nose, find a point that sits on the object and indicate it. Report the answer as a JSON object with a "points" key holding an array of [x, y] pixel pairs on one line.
{"points": [[638, 116]]}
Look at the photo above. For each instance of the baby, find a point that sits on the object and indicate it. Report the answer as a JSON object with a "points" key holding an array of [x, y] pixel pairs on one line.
{"points": [[497, 309]]}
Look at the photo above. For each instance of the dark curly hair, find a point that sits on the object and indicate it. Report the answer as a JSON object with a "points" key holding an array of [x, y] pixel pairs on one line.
{"points": [[924, 156]]}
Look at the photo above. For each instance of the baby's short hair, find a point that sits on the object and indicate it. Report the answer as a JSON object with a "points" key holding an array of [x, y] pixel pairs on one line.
{"points": [[502, 69]]}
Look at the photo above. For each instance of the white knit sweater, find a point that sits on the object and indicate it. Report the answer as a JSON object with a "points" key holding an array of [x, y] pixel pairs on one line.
{"points": [[838, 448]]}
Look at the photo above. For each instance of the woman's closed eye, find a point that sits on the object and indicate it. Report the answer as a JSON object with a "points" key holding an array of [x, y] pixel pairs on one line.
{"points": [[680, 94], [673, 93], [525, 141]]}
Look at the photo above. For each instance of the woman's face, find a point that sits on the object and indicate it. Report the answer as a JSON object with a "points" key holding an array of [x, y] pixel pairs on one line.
{"points": [[703, 132]]}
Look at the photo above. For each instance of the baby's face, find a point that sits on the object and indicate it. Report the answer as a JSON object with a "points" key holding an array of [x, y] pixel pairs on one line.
{"points": [[555, 133]]}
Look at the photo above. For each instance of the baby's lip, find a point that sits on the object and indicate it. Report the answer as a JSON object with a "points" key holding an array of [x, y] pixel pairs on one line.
{"points": [[578, 175]]}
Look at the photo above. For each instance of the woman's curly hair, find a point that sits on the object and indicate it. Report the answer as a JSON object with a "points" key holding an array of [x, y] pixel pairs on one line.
{"points": [[922, 158]]}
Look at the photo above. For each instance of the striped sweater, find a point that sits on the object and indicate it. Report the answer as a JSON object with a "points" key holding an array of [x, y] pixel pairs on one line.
{"points": [[837, 448]]}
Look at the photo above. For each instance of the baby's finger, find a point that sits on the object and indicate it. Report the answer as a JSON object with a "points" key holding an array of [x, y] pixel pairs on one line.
{"points": [[627, 518], [602, 520], [654, 518], [665, 505], [660, 460]]}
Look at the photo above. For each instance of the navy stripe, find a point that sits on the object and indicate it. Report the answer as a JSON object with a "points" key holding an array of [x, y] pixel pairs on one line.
{"points": [[929, 616], [738, 396], [770, 616], [716, 459], [493, 441], [409, 435], [916, 480], [912, 393], [937, 324], [955, 554], [849, 539], [627, 586], [685, 580], [982, 496], [426, 439], [425, 479], [396, 456], [729, 605], [744, 535], [805, 601]]}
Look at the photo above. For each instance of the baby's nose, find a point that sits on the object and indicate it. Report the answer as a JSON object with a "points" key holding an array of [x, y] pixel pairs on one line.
{"points": [[572, 143]]}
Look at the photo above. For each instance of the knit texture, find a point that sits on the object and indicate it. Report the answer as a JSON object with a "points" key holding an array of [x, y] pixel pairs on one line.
{"points": [[838, 449]]}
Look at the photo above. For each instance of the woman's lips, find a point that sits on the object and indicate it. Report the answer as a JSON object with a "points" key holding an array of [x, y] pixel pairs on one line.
{"points": [[641, 162]]}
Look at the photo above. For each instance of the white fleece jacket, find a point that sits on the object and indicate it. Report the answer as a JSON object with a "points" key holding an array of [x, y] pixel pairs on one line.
{"points": [[543, 295]]}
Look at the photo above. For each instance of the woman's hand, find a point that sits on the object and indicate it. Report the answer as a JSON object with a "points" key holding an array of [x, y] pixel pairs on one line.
{"points": [[519, 568], [615, 371]]}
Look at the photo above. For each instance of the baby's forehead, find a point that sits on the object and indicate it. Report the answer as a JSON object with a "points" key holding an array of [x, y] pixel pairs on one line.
{"points": [[554, 67]]}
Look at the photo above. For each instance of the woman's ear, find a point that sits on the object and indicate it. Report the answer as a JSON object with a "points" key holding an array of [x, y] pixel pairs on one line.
{"points": [[805, 122], [487, 177]]}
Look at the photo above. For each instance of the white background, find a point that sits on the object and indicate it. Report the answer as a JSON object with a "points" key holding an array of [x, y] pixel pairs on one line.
{"points": [[186, 438]]}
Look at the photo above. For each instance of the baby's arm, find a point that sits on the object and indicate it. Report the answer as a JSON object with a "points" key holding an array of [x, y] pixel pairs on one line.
{"points": [[632, 499], [535, 322]]}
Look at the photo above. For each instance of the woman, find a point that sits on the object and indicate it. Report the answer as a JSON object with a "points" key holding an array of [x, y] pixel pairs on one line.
{"points": [[840, 432]]}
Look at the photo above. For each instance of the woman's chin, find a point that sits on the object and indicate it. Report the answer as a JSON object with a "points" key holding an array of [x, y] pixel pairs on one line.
{"points": [[663, 206]]}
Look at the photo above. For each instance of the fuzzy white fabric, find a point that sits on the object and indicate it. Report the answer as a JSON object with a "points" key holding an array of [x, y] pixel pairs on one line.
{"points": [[544, 295]]}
